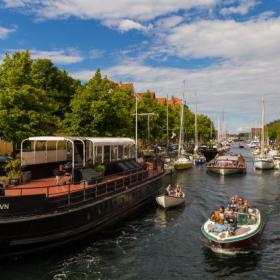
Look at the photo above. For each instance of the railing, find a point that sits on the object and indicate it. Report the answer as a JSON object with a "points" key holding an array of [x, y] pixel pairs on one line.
{"points": [[70, 194]]}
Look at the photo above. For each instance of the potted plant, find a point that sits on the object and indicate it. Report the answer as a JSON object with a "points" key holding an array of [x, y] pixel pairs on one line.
{"points": [[100, 168], [13, 170]]}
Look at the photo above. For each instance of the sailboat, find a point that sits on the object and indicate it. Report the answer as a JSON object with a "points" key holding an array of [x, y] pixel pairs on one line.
{"points": [[182, 162], [197, 158], [263, 161]]}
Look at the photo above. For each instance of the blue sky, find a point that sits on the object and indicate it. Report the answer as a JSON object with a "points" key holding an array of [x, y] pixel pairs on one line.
{"points": [[227, 51]]}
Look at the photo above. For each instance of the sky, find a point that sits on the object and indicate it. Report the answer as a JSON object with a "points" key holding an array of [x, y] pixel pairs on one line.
{"points": [[227, 52]]}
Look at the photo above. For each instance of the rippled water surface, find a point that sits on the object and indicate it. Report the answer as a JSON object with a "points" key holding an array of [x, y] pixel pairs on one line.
{"points": [[166, 244]]}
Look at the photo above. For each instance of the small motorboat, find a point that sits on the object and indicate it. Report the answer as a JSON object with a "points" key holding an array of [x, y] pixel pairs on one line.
{"points": [[172, 198], [249, 227], [198, 159]]}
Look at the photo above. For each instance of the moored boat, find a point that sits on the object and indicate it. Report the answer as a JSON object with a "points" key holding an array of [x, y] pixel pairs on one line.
{"points": [[263, 161], [52, 210], [198, 159], [228, 164], [183, 163], [249, 227], [208, 152]]}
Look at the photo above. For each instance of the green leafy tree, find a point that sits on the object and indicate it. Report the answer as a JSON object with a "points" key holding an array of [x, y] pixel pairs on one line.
{"points": [[25, 109], [56, 83], [101, 108]]}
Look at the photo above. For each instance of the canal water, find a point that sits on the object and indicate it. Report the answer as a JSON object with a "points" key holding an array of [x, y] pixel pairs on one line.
{"points": [[166, 244]]}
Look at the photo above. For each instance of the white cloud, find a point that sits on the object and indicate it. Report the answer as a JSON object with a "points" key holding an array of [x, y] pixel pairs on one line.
{"points": [[228, 39], [243, 8], [62, 57], [127, 25], [107, 11], [4, 32]]}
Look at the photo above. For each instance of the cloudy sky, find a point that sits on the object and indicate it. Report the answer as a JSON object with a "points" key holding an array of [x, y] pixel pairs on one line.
{"points": [[228, 52]]}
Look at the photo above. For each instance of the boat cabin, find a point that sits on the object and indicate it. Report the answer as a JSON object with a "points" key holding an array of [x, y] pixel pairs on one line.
{"points": [[43, 156]]}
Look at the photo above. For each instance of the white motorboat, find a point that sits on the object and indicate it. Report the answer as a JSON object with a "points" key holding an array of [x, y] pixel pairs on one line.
{"points": [[276, 161], [228, 164], [264, 163], [249, 228], [169, 201]]}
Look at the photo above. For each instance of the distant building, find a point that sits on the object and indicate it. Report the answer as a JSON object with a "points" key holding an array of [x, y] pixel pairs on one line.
{"points": [[6, 148], [140, 95], [128, 86], [174, 101], [256, 132]]}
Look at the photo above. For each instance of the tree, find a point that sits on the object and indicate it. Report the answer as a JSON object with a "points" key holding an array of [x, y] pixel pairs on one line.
{"points": [[56, 83], [25, 109], [101, 108]]}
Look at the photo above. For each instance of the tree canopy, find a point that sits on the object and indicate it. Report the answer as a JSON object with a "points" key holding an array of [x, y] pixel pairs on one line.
{"points": [[37, 98]]}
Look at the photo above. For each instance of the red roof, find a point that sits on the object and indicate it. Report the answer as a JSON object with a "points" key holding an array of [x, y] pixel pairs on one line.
{"points": [[128, 86]]}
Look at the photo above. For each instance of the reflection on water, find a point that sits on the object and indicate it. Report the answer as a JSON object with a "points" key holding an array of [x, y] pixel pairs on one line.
{"points": [[164, 244], [163, 217]]}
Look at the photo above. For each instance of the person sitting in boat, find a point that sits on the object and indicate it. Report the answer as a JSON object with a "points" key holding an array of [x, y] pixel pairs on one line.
{"points": [[232, 203], [240, 207], [170, 191], [218, 218], [178, 191], [232, 222]]}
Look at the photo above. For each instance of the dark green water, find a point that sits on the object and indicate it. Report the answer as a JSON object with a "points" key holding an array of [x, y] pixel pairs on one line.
{"points": [[166, 244]]}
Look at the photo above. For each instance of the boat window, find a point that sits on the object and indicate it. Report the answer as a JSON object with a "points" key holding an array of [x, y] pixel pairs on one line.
{"points": [[114, 153], [106, 153], [125, 152], [120, 152], [98, 154]]}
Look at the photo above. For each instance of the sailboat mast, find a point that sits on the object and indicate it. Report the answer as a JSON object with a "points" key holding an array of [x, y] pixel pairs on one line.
{"points": [[167, 120], [181, 128], [262, 139], [195, 128]]}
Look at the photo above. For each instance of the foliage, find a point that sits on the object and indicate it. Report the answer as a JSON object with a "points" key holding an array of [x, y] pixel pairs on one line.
{"points": [[26, 108], [274, 131], [13, 169], [37, 98], [101, 108]]}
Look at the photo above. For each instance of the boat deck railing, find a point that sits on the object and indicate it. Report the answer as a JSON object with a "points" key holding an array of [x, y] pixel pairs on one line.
{"points": [[66, 195]]}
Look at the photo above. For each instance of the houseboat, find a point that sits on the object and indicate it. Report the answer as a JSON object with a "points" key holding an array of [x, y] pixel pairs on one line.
{"points": [[71, 188]]}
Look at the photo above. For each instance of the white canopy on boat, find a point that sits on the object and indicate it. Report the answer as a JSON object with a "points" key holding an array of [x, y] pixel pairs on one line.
{"points": [[92, 147], [101, 141], [231, 158], [98, 141]]}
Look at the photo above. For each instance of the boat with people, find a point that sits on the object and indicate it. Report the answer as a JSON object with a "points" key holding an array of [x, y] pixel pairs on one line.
{"points": [[227, 164], [71, 188], [233, 229], [172, 198]]}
